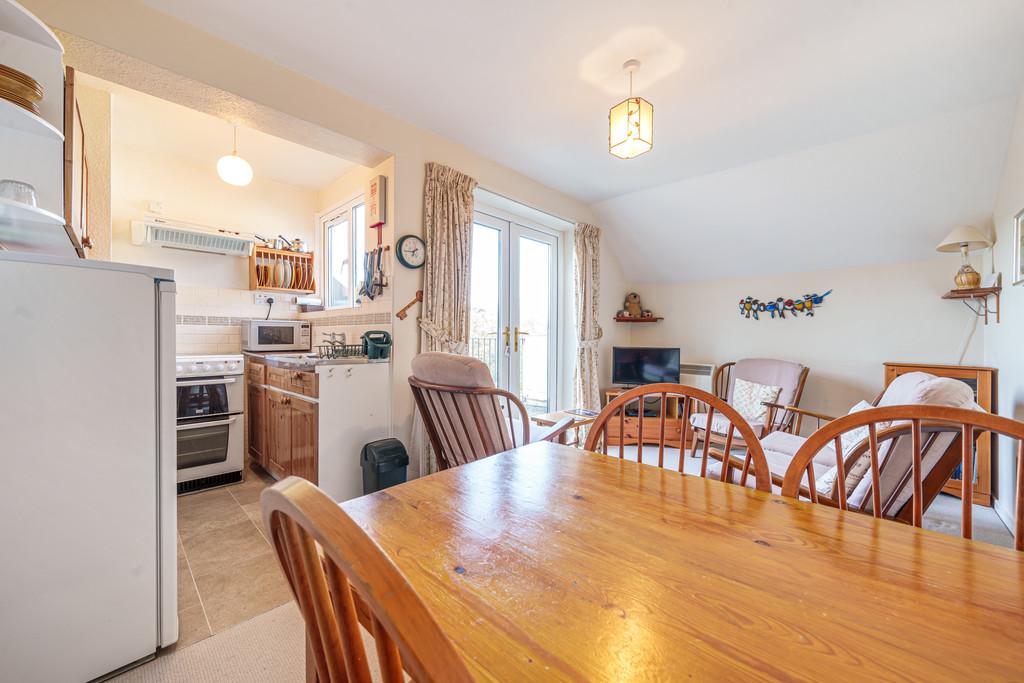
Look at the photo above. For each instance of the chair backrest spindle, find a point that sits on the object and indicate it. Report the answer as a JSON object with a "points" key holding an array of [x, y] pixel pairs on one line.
{"points": [[676, 399]]}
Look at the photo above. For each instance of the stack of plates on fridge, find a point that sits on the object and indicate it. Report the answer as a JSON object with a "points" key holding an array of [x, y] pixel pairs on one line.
{"points": [[20, 88]]}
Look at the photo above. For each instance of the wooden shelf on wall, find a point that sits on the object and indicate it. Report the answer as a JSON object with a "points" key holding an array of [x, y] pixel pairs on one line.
{"points": [[651, 319], [298, 276], [981, 295]]}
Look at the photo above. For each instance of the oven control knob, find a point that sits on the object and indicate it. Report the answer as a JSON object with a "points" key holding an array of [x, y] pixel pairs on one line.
{"points": [[195, 367], [179, 368], [232, 365], [221, 366]]}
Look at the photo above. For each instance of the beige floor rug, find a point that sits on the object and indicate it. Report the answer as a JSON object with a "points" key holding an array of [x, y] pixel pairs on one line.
{"points": [[270, 647]]}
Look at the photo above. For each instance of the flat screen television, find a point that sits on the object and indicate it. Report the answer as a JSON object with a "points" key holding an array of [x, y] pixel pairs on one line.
{"points": [[634, 365]]}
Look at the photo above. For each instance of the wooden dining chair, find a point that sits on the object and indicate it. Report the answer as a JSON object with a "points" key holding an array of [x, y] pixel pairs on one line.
{"points": [[882, 472], [466, 417], [676, 404], [341, 578]]}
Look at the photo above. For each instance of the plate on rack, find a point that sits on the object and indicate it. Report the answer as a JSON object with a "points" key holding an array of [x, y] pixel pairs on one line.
{"points": [[18, 100], [21, 83]]}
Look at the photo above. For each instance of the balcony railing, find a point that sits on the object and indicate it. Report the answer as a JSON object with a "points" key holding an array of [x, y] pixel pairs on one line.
{"points": [[486, 349]]}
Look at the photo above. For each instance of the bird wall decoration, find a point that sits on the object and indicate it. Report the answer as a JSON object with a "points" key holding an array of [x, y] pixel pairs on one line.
{"points": [[779, 307]]}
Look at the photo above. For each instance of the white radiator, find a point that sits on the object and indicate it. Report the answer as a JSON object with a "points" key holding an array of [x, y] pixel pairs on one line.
{"points": [[696, 375]]}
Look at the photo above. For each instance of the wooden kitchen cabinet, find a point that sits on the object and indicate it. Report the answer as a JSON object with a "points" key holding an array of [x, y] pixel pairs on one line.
{"points": [[256, 400], [286, 435], [303, 438], [291, 436], [278, 435]]}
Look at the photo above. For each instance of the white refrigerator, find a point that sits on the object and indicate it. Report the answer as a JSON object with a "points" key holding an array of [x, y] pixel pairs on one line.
{"points": [[87, 456]]}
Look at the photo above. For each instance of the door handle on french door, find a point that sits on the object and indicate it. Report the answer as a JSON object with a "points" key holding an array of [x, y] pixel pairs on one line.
{"points": [[515, 337], [505, 335]]}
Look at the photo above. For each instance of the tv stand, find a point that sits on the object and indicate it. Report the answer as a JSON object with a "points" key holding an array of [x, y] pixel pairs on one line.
{"points": [[652, 422]]}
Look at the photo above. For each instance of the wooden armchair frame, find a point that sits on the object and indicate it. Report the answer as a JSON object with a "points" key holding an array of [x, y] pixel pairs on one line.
{"points": [[691, 397], [778, 417], [453, 434], [925, 423]]}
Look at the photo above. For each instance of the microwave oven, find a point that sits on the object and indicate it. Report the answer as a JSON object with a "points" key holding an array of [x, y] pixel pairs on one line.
{"points": [[276, 335]]}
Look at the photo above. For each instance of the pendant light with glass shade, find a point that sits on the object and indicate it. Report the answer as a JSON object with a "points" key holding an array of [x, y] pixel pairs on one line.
{"points": [[232, 168], [631, 122]]}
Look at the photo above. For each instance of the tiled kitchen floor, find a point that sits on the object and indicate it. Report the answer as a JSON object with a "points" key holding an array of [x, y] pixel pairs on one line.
{"points": [[227, 571]]}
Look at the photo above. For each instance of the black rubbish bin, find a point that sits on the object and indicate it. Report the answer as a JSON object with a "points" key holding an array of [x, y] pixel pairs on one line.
{"points": [[384, 464]]}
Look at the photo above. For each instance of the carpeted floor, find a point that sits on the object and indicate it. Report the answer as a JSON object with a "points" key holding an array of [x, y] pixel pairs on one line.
{"points": [[269, 648]]}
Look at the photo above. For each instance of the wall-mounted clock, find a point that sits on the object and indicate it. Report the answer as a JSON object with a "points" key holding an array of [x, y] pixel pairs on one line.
{"points": [[411, 251]]}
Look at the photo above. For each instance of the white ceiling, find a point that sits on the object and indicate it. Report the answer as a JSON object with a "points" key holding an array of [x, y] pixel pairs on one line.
{"points": [[793, 112], [166, 129]]}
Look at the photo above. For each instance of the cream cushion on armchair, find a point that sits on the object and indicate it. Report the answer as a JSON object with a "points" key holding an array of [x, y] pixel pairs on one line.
{"points": [[914, 388], [753, 377]]}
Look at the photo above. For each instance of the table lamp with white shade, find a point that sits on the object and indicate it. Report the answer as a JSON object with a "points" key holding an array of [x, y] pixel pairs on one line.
{"points": [[964, 239]]}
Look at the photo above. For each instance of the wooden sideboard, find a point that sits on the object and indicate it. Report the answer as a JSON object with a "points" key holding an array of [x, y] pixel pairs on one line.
{"points": [[652, 423], [983, 382]]}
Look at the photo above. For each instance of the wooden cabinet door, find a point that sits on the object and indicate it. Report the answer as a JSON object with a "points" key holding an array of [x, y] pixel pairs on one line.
{"points": [[278, 434], [257, 424], [304, 437]]}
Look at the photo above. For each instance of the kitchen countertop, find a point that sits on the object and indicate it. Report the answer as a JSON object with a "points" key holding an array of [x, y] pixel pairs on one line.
{"points": [[307, 360]]}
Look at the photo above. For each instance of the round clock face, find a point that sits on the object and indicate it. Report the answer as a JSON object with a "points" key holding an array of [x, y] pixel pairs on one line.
{"points": [[412, 253]]}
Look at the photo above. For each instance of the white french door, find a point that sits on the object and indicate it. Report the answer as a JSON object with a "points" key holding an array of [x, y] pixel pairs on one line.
{"points": [[514, 307]]}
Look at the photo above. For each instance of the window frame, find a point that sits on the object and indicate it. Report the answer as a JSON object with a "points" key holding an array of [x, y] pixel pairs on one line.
{"points": [[322, 250]]}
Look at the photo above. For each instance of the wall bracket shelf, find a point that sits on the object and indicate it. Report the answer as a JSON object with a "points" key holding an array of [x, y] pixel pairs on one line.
{"points": [[649, 319], [981, 296]]}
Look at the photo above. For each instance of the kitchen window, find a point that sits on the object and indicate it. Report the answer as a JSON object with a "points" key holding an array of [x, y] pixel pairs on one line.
{"points": [[343, 236]]}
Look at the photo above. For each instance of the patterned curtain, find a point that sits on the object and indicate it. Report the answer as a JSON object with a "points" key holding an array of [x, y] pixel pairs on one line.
{"points": [[587, 270], [447, 231]]}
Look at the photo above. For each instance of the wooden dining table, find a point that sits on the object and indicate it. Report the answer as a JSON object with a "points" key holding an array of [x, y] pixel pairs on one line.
{"points": [[552, 563]]}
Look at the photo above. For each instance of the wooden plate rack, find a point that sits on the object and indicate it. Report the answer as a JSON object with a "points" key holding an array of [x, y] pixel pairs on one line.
{"points": [[278, 270]]}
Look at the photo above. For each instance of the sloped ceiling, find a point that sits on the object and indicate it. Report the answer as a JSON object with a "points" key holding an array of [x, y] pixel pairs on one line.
{"points": [[852, 132]]}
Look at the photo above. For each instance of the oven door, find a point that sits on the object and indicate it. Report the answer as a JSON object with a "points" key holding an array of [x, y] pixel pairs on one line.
{"points": [[209, 397], [210, 446]]}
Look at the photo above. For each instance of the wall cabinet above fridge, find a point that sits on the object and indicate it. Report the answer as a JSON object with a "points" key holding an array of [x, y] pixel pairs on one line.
{"points": [[43, 209]]}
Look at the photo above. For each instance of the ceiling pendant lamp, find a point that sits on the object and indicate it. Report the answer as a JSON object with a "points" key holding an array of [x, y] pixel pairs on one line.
{"points": [[232, 168], [631, 122]]}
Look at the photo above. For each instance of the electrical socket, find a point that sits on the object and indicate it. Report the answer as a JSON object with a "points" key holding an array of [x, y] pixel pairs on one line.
{"points": [[261, 299]]}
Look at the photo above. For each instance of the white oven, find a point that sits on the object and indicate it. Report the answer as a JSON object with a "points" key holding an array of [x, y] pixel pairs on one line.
{"points": [[210, 421], [275, 335]]}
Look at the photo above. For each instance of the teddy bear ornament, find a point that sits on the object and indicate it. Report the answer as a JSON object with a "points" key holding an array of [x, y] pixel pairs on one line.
{"points": [[632, 308]]}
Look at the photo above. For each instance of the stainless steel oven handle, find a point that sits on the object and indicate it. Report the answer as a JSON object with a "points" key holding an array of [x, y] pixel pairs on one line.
{"points": [[200, 425], [201, 382]]}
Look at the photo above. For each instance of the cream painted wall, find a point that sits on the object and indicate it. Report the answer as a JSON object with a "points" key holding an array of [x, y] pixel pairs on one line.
{"points": [[155, 38], [874, 314], [1004, 343], [94, 106], [193, 193], [213, 290]]}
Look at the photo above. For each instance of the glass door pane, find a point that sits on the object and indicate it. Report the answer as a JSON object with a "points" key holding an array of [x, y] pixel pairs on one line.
{"points": [[339, 276], [534, 348], [486, 293]]}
